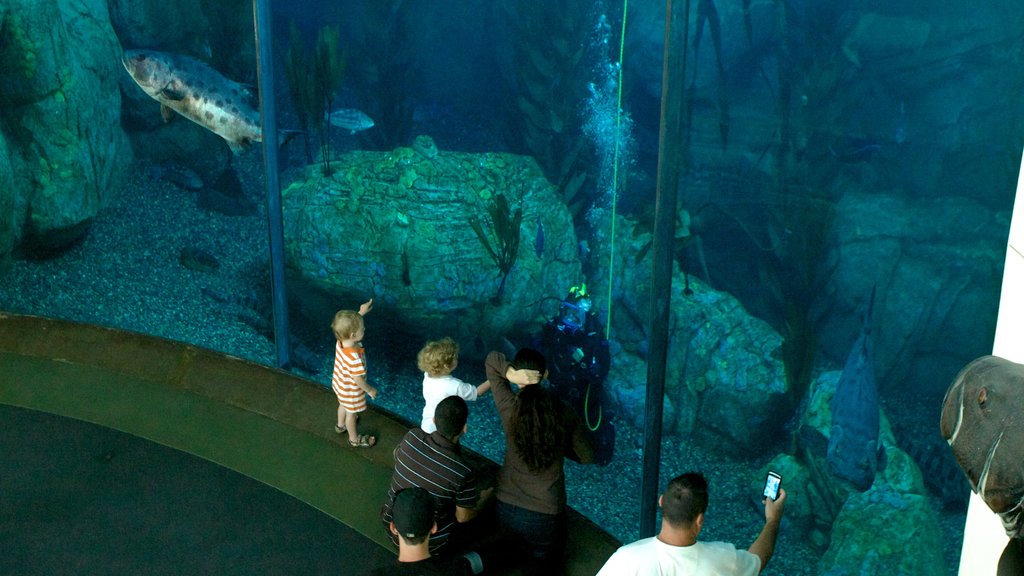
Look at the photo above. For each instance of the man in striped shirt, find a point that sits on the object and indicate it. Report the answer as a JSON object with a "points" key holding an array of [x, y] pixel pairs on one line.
{"points": [[434, 462]]}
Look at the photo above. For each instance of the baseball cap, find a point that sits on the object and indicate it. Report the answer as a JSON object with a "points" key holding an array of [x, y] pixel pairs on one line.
{"points": [[413, 512]]}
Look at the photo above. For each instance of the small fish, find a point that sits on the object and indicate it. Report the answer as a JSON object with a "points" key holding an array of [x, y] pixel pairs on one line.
{"points": [[583, 248], [406, 276], [538, 242], [177, 174], [198, 259], [191, 88], [900, 135], [350, 119], [854, 150]]}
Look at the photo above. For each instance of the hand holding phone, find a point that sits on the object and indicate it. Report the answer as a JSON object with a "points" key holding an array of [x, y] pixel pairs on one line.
{"points": [[771, 485]]}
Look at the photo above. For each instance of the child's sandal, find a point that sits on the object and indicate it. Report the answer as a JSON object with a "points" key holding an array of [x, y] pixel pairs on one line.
{"points": [[364, 441], [340, 429]]}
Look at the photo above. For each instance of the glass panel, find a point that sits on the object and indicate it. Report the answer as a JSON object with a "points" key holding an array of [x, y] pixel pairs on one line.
{"points": [[844, 264], [477, 206], [482, 172], [118, 214]]}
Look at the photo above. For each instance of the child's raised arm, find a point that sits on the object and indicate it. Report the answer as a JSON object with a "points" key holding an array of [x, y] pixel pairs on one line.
{"points": [[365, 307], [483, 388]]}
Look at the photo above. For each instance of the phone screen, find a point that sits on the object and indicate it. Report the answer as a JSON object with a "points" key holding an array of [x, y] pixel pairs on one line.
{"points": [[771, 486]]}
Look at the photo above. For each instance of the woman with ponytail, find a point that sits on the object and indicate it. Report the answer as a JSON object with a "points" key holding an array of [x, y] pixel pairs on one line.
{"points": [[540, 432]]}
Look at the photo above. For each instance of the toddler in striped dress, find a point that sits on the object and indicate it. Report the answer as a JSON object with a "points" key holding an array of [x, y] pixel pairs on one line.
{"points": [[349, 378]]}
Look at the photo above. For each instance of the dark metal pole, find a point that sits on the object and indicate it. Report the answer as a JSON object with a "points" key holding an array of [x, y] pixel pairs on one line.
{"points": [[670, 154], [265, 67]]}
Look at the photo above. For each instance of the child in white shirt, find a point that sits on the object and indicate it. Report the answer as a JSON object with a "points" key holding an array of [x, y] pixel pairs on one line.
{"points": [[438, 360]]}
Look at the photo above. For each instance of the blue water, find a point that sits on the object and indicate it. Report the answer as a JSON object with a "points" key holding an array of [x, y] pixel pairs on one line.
{"points": [[827, 150]]}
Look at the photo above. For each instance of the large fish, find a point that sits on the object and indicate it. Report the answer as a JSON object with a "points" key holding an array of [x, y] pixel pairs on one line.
{"points": [[983, 422], [197, 92], [854, 453]]}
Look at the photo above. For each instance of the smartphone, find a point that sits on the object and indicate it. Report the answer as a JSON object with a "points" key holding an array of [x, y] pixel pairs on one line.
{"points": [[771, 485]]}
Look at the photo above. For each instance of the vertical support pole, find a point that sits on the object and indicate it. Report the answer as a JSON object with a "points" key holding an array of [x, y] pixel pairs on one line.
{"points": [[670, 155], [275, 217]]}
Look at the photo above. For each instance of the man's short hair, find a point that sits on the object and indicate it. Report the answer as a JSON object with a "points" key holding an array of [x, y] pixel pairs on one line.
{"points": [[450, 416], [413, 515], [685, 498]]}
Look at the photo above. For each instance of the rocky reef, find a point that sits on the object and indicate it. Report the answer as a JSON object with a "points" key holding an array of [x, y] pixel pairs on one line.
{"points": [[63, 153], [467, 245], [725, 385], [890, 528]]}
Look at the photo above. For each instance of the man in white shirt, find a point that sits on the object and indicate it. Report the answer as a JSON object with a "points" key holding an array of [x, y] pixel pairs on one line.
{"points": [[675, 550]]}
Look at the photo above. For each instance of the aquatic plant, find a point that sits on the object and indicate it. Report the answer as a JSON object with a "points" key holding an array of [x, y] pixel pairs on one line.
{"points": [[313, 81], [799, 277], [707, 14], [329, 66], [806, 211], [297, 71], [552, 71], [784, 226], [505, 231]]}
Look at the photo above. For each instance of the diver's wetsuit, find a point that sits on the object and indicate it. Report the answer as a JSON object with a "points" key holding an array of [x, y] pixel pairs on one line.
{"points": [[578, 361]]}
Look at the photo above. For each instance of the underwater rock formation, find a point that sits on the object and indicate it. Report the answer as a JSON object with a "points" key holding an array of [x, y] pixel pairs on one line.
{"points": [[64, 154], [725, 383], [895, 509], [397, 226], [885, 532], [937, 263], [151, 23]]}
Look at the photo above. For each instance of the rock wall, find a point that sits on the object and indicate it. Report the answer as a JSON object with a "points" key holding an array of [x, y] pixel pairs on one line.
{"points": [[725, 385], [62, 151], [937, 263], [891, 528], [397, 226]]}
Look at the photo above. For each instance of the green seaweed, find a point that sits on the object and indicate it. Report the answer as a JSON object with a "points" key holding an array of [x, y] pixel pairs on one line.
{"points": [[505, 230], [707, 15], [312, 82], [553, 67]]}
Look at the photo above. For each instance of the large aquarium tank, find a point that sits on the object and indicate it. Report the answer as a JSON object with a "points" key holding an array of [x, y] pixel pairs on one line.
{"points": [[777, 227]]}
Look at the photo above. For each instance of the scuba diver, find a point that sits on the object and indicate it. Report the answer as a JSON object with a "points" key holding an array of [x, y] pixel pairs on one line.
{"points": [[578, 361]]}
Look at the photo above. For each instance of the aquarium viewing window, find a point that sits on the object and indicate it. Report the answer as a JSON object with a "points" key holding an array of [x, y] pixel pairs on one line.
{"points": [[984, 537], [752, 236]]}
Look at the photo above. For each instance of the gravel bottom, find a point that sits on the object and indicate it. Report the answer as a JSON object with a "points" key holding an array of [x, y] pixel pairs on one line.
{"points": [[128, 273]]}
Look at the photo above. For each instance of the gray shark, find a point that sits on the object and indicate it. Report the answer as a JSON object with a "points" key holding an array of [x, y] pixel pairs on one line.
{"points": [[854, 453], [191, 88]]}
